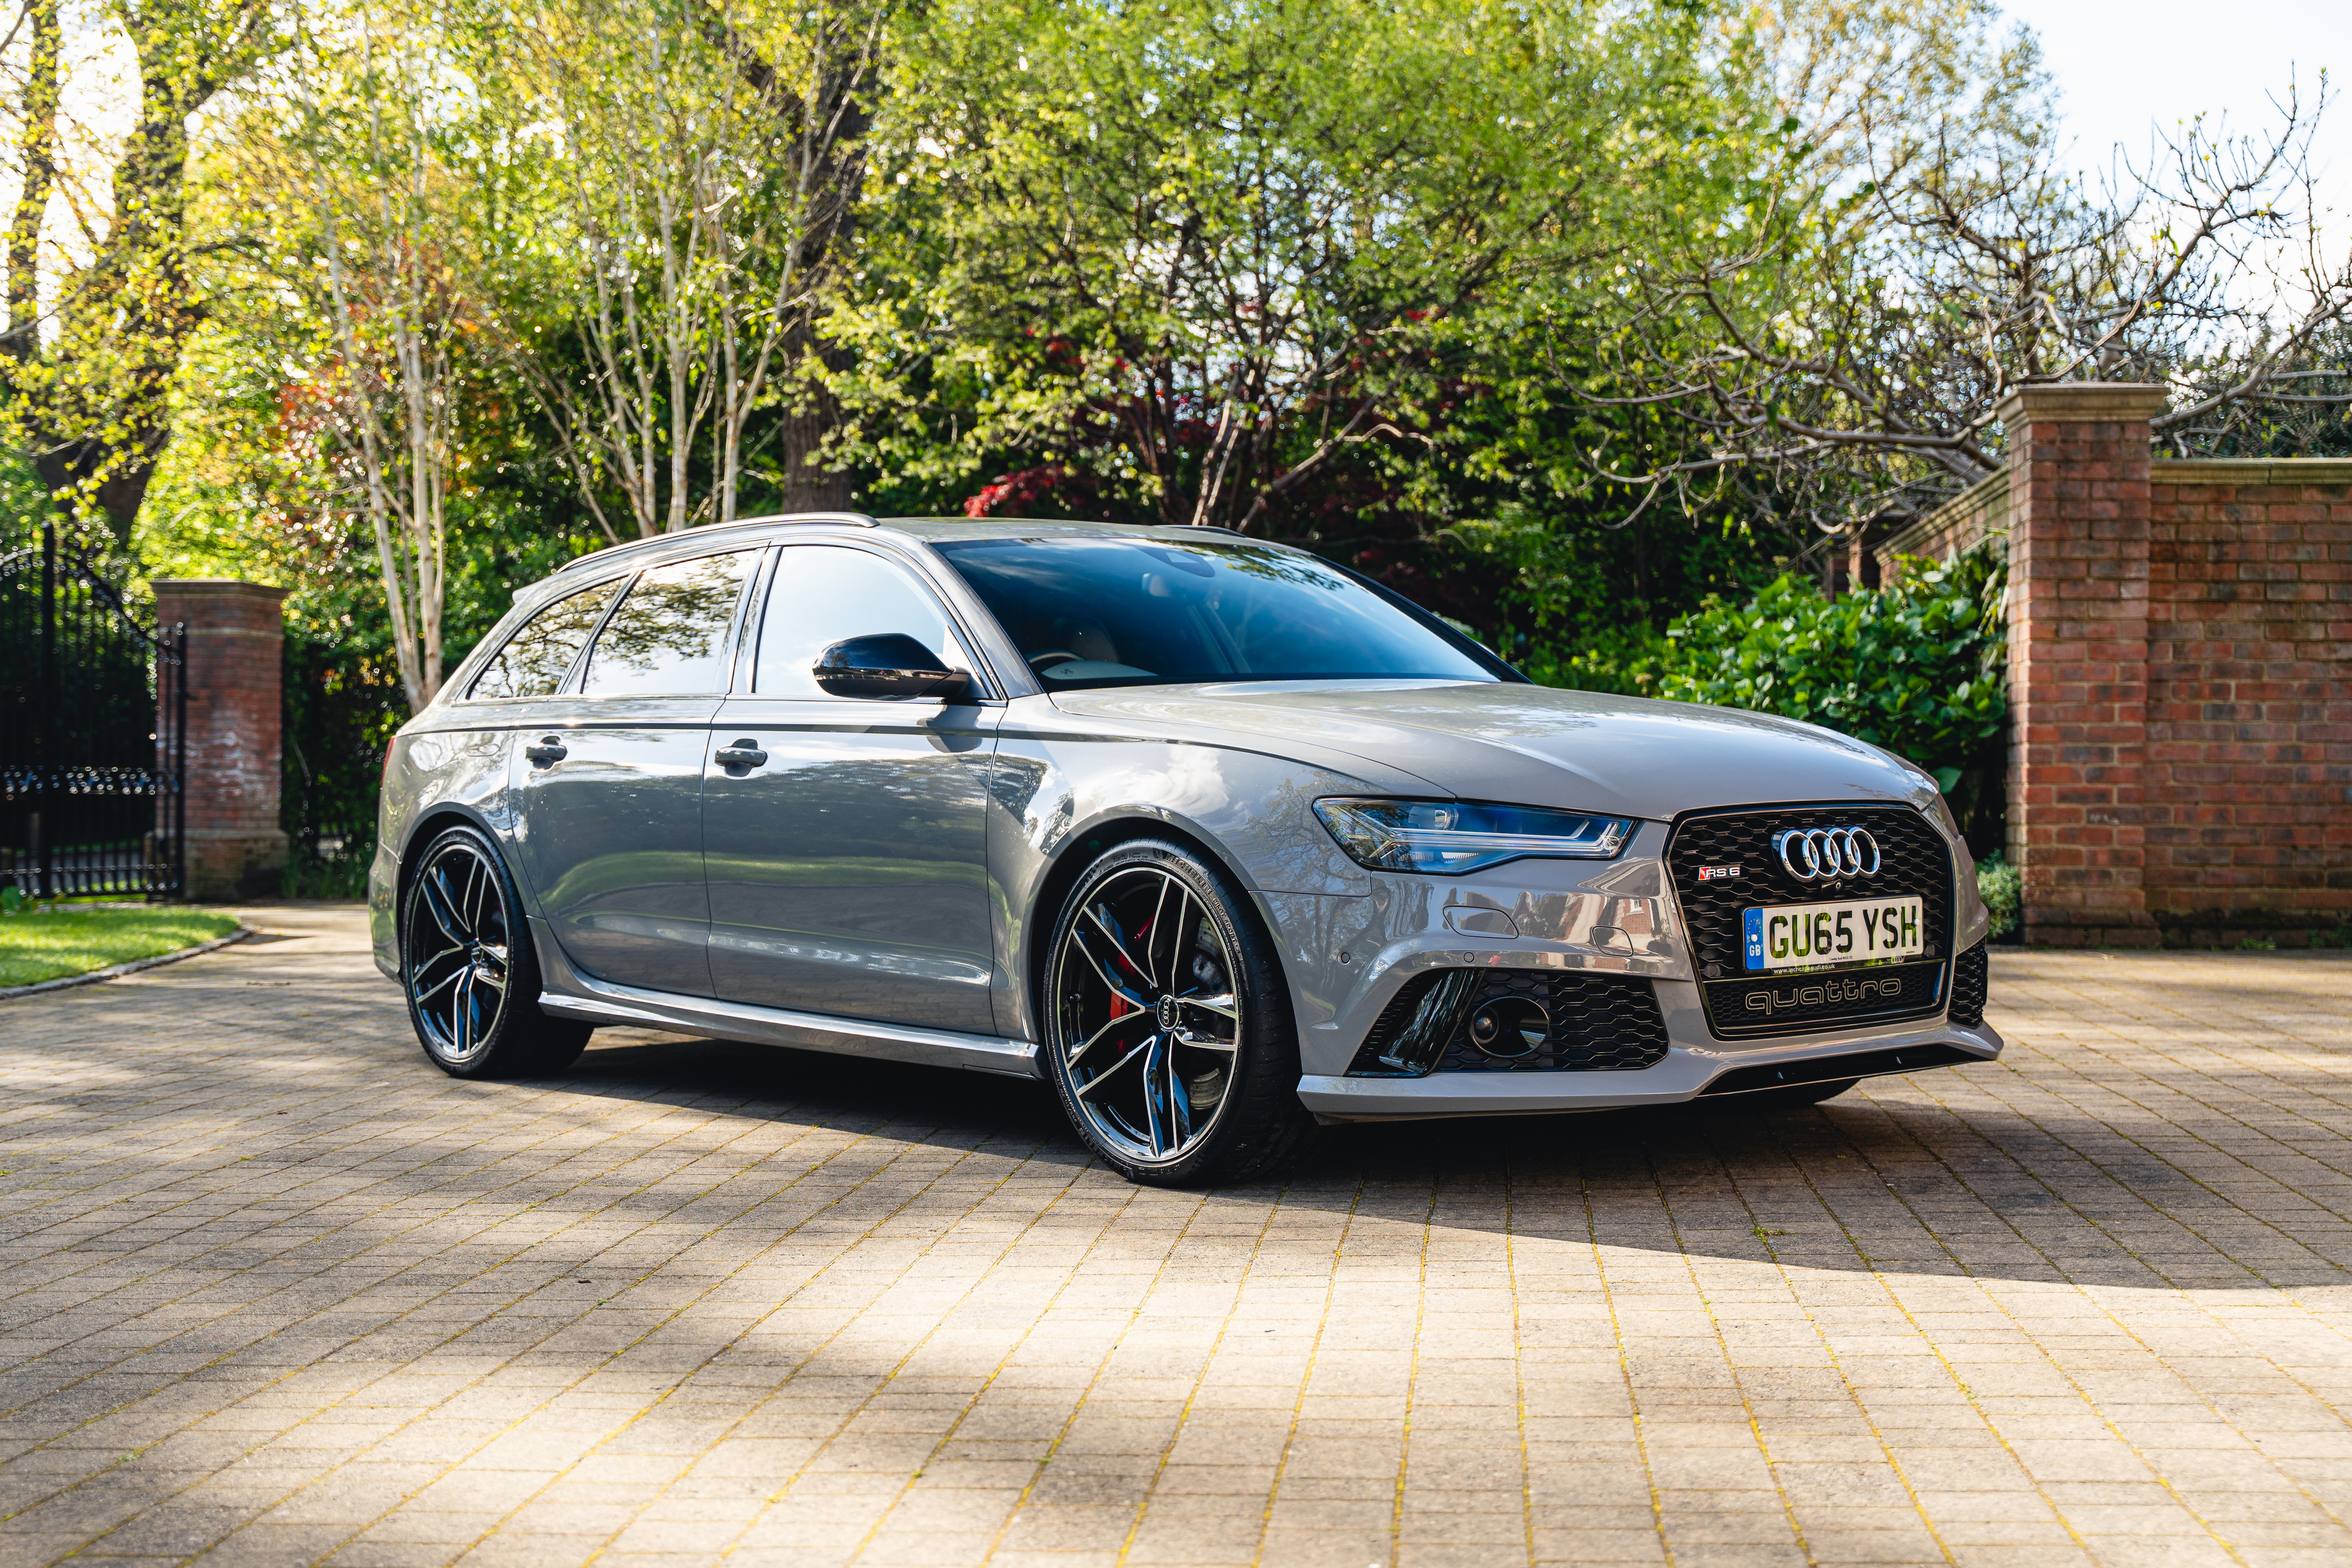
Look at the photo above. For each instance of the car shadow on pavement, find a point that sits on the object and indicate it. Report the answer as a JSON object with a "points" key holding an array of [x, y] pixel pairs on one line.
{"points": [[1928, 1175]]}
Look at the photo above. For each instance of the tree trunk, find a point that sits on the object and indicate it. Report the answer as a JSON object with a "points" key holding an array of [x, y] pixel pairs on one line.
{"points": [[36, 148], [808, 420]]}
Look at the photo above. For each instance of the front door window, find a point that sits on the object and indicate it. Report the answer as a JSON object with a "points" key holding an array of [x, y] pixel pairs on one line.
{"points": [[824, 594], [846, 864]]}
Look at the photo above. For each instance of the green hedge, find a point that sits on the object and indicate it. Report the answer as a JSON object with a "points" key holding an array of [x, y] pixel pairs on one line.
{"points": [[1916, 667]]}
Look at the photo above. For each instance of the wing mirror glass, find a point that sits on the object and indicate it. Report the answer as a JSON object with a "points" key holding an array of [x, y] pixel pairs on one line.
{"points": [[891, 664]]}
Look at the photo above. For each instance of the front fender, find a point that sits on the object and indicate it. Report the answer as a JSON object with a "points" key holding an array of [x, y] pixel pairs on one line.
{"points": [[1057, 790]]}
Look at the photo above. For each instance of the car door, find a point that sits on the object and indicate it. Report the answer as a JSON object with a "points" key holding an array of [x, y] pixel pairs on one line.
{"points": [[844, 838], [611, 797]]}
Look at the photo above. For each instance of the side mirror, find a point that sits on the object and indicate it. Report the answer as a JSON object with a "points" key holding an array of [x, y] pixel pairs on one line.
{"points": [[889, 665]]}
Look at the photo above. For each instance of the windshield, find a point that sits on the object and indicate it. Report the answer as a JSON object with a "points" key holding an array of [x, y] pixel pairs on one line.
{"points": [[1129, 611]]}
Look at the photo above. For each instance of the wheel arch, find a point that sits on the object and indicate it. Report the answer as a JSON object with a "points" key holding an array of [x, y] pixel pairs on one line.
{"points": [[428, 826], [1080, 847]]}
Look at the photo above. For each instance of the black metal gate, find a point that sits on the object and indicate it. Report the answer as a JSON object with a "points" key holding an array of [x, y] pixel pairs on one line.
{"points": [[93, 731]]}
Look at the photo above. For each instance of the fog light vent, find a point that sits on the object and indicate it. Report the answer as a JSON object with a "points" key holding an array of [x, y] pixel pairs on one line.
{"points": [[1412, 1029], [1971, 977], [1514, 1020]]}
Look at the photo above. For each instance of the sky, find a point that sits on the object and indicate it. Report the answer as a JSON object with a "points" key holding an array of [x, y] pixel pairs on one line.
{"points": [[2125, 67]]}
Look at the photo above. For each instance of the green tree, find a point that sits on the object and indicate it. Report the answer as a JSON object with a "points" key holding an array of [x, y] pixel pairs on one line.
{"points": [[1186, 260], [1911, 249], [670, 184], [87, 361]]}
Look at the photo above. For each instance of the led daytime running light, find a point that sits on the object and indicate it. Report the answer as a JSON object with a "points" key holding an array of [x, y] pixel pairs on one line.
{"points": [[1450, 837]]}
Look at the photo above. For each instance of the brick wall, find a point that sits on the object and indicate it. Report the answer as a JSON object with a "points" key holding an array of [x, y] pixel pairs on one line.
{"points": [[236, 650], [2249, 757], [2180, 758], [2078, 532], [1967, 519]]}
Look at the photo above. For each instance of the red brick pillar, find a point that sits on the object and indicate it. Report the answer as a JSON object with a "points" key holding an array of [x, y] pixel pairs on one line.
{"points": [[235, 644], [2078, 562]]}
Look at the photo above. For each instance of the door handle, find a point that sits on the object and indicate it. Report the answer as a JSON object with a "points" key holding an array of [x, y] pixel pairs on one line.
{"points": [[549, 750], [743, 754]]}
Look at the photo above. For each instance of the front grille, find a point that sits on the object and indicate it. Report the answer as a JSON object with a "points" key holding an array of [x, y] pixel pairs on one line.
{"points": [[1744, 1006], [1597, 1023], [1971, 978]]}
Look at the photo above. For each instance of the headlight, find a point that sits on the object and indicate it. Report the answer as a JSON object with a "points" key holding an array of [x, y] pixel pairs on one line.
{"points": [[1453, 836]]}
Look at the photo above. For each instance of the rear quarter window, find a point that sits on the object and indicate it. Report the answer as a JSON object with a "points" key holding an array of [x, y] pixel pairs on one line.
{"points": [[533, 661]]}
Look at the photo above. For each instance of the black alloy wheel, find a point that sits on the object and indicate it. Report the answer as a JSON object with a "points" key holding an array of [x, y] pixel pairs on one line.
{"points": [[1168, 1029], [468, 969]]}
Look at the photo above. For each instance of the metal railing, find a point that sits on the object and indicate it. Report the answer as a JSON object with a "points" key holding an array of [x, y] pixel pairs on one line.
{"points": [[93, 730]]}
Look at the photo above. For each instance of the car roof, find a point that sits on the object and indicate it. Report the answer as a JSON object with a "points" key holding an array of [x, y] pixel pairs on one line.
{"points": [[929, 530]]}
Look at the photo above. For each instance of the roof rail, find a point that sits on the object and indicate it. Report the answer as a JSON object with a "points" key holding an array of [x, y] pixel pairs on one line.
{"points": [[853, 519]]}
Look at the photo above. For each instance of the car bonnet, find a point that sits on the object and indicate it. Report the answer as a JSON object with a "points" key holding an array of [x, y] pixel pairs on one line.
{"points": [[1532, 745]]}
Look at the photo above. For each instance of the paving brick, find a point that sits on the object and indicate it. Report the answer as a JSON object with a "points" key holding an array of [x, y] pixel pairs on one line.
{"points": [[2082, 1305]]}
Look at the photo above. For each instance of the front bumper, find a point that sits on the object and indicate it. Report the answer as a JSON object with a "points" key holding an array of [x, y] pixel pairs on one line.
{"points": [[1349, 957], [1684, 1075]]}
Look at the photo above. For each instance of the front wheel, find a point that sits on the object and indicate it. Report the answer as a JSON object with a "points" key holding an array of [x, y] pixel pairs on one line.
{"points": [[1168, 1029], [467, 964]]}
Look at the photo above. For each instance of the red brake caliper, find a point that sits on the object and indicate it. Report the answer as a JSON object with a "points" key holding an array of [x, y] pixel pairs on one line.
{"points": [[1119, 1006]]}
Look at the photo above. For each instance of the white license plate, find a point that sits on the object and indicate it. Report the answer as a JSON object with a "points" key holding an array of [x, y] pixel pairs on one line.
{"points": [[1860, 930]]}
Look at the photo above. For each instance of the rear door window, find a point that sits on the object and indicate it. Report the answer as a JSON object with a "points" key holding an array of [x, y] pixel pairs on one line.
{"points": [[536, 657], [669, 637]]}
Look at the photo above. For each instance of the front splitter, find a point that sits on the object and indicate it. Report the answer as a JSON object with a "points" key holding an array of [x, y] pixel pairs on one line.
{"points": [[1682, 1075]]}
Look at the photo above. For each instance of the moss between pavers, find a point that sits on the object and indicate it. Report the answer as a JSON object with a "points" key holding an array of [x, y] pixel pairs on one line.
{"points": [[49, 943]]}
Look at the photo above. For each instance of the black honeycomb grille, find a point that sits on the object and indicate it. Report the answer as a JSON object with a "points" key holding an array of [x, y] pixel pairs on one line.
{"points": [[1913, 860], [1599, 1023], [1971, 979]]}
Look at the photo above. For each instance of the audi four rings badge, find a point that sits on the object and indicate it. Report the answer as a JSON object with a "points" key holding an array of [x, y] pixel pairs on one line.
{"points": [[1825, 853]]}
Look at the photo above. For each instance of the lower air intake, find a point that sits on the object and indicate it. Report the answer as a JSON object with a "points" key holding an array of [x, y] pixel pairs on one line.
{"points": [[1971, 977], [1514, 1020]]}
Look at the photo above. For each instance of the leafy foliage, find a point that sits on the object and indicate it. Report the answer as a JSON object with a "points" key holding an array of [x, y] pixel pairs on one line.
{"points": [[1578, 605], [1916, 667], [1182, 263], [1451, 290], [98, 320], [2001, 887]]}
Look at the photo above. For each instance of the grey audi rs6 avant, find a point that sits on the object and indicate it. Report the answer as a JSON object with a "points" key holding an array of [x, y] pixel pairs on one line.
{"points": [[1216, 838]]}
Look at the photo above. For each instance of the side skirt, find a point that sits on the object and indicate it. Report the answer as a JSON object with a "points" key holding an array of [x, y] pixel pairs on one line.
{"points": [[570, 993]]}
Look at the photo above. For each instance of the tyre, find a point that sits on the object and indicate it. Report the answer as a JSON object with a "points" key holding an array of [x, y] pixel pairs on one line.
{"points": [[467, 964], [1795, 1097], [1167, 1027]]}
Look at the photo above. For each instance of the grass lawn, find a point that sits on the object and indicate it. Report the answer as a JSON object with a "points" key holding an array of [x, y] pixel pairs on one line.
{"points": [[48, 945]]}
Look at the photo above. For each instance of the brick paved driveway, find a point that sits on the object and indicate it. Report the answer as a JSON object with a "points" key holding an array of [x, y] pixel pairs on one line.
{"points": [[274, 1289]]}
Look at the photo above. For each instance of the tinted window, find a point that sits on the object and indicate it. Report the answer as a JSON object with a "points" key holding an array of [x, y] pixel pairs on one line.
{"points": [[824, 594], [669, 636], [533, 662], [1115, 612]]}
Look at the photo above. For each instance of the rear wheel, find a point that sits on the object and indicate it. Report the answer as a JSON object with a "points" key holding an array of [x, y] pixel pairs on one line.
{"points": [[1167, 1030], [467, 966]]}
